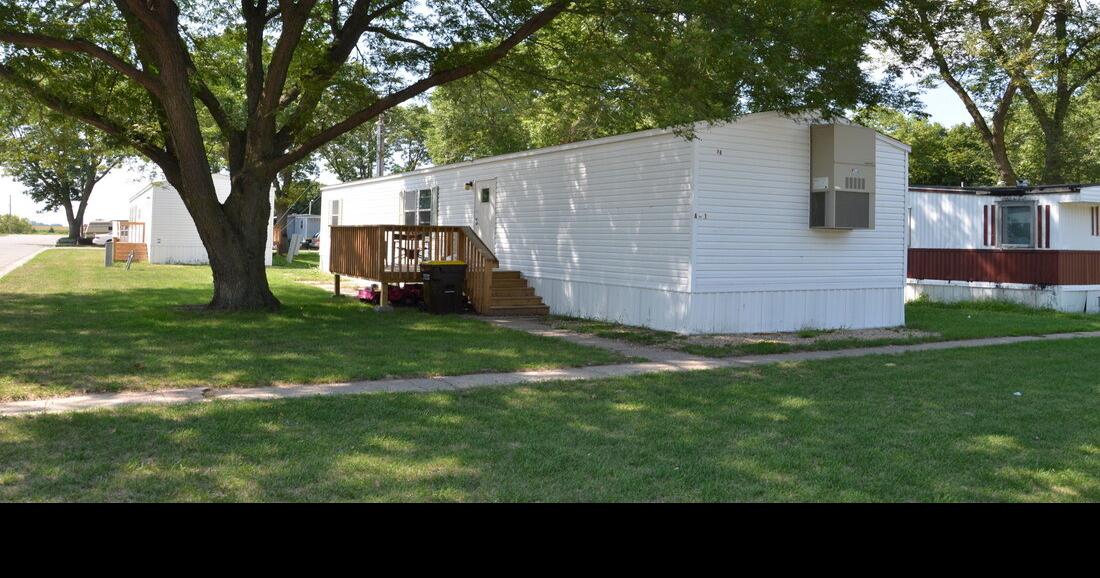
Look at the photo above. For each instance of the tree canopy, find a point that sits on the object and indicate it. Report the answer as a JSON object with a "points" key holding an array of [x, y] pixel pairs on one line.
{"points": [[58, 160], [992, 53], [591, 75], [257, 86]]}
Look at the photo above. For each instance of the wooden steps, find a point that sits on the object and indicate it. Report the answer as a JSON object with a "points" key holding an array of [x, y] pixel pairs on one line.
{"points": [[512, 296]]}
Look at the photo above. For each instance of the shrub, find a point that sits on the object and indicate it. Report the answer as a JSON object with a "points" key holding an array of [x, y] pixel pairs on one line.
{"points": [[15, 225]]}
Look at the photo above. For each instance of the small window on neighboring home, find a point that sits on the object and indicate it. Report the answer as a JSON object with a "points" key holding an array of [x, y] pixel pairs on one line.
{"points": [[336, 211], [1017, 225], [418, 207], [485, 194]]}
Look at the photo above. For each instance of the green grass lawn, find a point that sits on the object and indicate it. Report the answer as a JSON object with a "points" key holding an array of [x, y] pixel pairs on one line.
{"points": [[68, 325], [932, 426], [955, 321]]}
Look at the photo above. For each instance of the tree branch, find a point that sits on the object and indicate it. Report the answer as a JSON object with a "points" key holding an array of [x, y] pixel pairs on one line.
{"points": [[316, 80], [89, 117], [534, 24], [398, 38], [78, 45], [295, 17]]}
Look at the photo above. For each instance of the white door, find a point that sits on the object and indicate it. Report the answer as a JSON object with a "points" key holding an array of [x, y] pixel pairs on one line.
{"points": [[485, 219]]}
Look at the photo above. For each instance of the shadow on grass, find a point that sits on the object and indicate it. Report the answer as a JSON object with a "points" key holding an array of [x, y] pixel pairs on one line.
{"points": [[918, 427], [147, 338]]}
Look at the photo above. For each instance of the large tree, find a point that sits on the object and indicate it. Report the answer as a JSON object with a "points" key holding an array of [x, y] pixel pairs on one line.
{"points": [[990, 52], [1051, 50], [262, 100], [57, 160], [940, 41]]}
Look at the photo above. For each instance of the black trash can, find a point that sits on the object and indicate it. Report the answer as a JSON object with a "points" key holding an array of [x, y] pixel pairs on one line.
{"points": [[443, 283]]}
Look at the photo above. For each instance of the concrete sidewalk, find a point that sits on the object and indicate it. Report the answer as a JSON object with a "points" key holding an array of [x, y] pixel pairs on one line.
{"points": [[660, 361]]}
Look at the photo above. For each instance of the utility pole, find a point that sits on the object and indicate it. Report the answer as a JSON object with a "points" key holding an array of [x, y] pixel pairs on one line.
{"points": [[380, 128]]}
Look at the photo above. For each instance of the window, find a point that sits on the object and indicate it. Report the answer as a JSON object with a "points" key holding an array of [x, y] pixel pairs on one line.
{"points": [[485, 194], [1017, 225], [336, 212], [418, 207]]}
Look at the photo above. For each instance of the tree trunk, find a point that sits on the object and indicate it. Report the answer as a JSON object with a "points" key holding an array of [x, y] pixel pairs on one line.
{"points": [[74, 224], [240, 281], [1000, 156], [235, 237], [1053, 162]]}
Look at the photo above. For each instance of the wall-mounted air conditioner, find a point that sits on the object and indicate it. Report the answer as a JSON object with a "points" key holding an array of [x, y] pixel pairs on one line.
{"points": [[842, 177]]}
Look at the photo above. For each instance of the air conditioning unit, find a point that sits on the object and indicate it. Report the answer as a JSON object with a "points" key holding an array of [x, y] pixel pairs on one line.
{"points": [[842, 177]]}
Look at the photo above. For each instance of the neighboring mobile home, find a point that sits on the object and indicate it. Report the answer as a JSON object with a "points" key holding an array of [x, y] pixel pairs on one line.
{"points": [[711, 234], [1039, 246], [161, 228], [305, 225]]}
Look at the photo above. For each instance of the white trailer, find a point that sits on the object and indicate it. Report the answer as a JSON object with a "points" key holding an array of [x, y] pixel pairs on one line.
{"points": [[169, 230], [1035, 245], [704, 235]]}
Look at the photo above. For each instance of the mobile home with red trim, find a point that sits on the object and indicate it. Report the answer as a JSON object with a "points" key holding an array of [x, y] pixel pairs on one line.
{"points": [[1035, 245]]}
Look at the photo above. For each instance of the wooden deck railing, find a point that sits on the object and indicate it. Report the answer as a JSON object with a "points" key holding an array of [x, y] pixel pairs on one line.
{"points": [[394, 254], [129, 231]]}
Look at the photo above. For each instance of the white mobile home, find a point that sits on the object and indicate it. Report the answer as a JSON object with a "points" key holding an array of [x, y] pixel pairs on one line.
{"points": [[711, 234], [168, 231], [1039, 246], [301, 224]]}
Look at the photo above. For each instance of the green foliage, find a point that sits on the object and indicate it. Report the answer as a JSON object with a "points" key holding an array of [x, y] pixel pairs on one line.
{"points": [[668, 64], [15, 225], [57, 159], [957, 155], [1022, 68], [941, 156], [1081, 147], [353, 156]]}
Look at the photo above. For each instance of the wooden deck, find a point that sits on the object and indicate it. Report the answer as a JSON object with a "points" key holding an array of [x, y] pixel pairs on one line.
{"points": [[394, 253], [130, 236]]}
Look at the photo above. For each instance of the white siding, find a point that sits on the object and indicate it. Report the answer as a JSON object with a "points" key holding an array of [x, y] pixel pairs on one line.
{"points": [[946, 220], [602, 229], [651, 229], [1073, 228], [141, 209], [172, 236], [759, 267]]}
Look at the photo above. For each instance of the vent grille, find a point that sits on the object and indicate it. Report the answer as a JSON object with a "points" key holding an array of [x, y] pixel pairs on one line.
{"points": [[855, 183]]}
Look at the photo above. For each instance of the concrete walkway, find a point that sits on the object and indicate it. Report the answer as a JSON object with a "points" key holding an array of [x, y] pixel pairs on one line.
{"points": [[15, 250], [660, 360]]}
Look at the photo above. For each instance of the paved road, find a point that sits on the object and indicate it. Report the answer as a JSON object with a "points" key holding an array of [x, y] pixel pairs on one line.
{"points": [[14, 249]]}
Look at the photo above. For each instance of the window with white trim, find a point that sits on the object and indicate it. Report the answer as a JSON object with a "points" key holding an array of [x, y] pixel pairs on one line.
{"points": [[1017, 224], [418, 206]]}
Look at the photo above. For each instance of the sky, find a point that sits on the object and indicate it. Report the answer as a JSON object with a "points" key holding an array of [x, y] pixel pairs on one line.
{"points": [[111, 197]]}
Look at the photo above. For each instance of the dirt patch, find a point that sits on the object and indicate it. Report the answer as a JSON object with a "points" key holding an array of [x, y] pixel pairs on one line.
{"points": [[808, 337]]}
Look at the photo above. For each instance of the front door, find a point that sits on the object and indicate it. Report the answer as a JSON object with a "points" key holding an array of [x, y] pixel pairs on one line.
{"points": [[485, 216]]}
